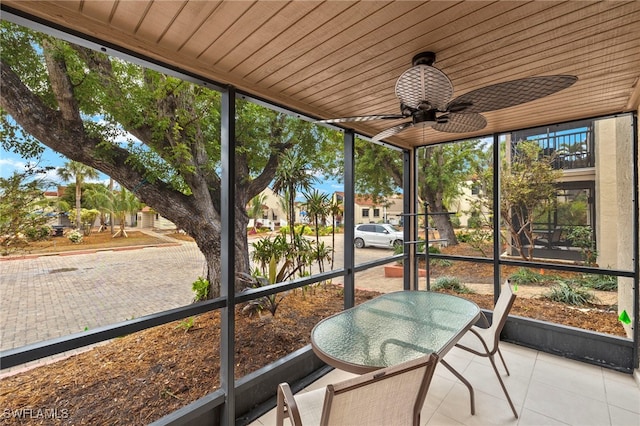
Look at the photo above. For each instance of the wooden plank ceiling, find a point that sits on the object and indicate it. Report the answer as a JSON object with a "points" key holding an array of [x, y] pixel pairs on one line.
{"points": [[342, 58]]}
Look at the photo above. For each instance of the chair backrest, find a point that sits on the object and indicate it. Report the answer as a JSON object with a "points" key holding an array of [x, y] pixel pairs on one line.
{"points": [[393, 395], [501, 311]]}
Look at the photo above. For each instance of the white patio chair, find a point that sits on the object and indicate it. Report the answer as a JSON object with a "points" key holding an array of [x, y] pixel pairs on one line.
{"points": [[490, 337], [389, 396]]}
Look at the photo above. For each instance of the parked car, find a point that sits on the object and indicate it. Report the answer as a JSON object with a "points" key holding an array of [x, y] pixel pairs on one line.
{"points": [[377, 235]]}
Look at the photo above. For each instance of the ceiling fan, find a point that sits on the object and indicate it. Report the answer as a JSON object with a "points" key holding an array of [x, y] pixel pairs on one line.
{"points": [[425, 95]]}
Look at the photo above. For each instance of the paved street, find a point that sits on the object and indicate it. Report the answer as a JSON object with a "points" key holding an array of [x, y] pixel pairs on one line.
{"points": [[51, 296]]}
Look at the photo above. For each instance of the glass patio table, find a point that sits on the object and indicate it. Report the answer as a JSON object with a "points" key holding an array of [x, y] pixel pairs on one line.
{"points": [[393, 328]]}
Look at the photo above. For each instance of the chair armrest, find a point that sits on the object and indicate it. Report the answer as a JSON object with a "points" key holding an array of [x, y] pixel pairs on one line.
{"points": [[287, 406]]}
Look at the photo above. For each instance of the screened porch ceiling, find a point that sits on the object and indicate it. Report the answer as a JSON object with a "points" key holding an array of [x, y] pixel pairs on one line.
{"points": [[342, 58]]}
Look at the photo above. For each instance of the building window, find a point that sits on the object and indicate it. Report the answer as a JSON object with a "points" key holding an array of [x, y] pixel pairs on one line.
{"points": [[376, 212], [365, 212]]}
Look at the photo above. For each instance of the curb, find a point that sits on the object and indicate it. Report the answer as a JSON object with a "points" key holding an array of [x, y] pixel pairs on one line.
{"points": [[88, 251]]}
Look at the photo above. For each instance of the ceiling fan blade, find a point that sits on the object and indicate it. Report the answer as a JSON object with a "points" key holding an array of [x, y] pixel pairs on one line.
{"points": [[363, 118], [392, 131], [424, 83], [510, 93], [461, 123]]}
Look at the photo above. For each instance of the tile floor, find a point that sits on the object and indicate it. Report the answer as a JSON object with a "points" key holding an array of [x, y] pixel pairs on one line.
{"points": [[546, 390]]}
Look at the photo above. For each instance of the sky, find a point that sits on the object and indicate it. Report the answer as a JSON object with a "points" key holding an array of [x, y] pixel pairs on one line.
{"points": [[10, 163]]}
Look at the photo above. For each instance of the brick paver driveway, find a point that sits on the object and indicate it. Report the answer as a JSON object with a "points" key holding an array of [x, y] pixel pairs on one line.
{"points": [[52, 296]]}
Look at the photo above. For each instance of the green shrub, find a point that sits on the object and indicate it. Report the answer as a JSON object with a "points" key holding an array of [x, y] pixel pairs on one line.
{"points": [[324, 231], [455, 221], [524, 276], [38, 233], [474, 222], [570, 293], [440, 262], [201, 289], [599, 282], [450, 283], [186, 324], [582, 237], [463, 237], [75, 237]]}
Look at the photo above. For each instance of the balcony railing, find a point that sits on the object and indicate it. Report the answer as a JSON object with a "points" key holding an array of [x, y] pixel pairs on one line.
{"points": [[572, 149]]}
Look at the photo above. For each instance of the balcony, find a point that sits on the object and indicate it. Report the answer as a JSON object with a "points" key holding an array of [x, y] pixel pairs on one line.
{"points": [[571, 148], [244, 61]]}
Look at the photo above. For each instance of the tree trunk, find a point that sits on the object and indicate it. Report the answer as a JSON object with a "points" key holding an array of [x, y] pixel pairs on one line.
{"points": [[209, 244], [442, 222], [78, 205], [199, 213]]}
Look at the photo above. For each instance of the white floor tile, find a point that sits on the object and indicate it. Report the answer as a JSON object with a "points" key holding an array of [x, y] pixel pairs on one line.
{"points": [[483, 378], [531, 418], [439, 389], [489, 409], [566, 406], [620, 417], [619, 377], [441, 420], [625, 396], [588, 381], [578, 366]]}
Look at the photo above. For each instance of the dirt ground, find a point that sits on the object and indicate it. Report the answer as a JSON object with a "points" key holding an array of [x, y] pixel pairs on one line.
{"points": [[95, 241], [139, 378]]}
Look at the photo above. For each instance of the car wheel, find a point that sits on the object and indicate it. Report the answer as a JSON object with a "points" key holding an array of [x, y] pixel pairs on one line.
{"points": [[397, 243], [359, 243]]}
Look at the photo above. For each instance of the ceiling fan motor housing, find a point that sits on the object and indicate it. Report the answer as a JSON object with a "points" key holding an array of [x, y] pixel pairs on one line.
{"points": [[424, 58]]}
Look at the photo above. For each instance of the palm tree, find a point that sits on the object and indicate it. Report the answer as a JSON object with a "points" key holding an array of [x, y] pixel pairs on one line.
{"points": [[335, 208], [255, 208], [292, 175], [99, 197], [79, 172], [123, 202], [317, 205]]}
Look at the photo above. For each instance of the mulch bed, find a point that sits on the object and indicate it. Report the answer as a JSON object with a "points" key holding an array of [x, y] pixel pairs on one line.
{"points": [[139, 378]]}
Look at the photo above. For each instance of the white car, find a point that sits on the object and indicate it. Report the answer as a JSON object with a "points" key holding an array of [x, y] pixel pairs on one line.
{"points": [[377, 235]]}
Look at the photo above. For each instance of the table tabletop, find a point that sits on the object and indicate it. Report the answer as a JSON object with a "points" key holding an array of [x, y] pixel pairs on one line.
{"points": [[392, 328]]}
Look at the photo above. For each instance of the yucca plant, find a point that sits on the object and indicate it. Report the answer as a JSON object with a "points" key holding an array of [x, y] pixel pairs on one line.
{"points": [[570, 294], [599, 282], [451, 283], [272, 301], [524, 276]]}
